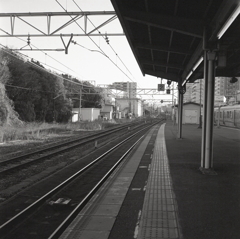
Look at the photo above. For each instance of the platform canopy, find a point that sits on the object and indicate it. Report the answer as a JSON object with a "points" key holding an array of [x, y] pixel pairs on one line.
{"points": [[166, 36]]}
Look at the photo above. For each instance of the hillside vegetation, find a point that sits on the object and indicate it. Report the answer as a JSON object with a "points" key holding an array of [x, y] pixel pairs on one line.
{"points": [[31, 97], [31, 93]]}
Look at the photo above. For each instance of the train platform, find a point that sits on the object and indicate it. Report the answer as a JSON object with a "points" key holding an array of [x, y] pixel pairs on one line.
{"points": [[161, 193]]}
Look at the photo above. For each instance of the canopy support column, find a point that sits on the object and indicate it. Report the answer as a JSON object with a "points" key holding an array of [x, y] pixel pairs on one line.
{"points": [[207, 140], [204, 110], [180, 112]]}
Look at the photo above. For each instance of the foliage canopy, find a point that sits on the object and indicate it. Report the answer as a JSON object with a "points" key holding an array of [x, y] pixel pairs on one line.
{"points": [[39, 95]]}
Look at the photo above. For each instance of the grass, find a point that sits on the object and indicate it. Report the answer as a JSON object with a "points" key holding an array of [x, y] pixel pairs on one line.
{"points": [[37, 130]]}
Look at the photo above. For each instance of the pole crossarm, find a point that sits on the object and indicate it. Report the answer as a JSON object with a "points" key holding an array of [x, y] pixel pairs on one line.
{"points": [[28, 19], [157, 100], [137, 91]]}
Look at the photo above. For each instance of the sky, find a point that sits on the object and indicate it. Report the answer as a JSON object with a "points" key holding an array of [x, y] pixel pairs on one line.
{"points": [[84, 60]]}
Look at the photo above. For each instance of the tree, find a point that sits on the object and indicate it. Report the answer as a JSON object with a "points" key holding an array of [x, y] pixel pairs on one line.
{"points": [[92, 100], [8, 115], [39, 95], [34, 91]]}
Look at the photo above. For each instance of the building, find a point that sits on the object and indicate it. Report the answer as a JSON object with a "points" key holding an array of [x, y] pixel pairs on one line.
{"points": [[195, 91], [231, 90], [88, 114], [191, 113], [188, 94], [130, 88], [219, 90], [128, 103], [107, 111], [126, 106]]}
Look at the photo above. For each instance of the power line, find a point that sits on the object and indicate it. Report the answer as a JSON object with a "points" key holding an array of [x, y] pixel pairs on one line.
{"points": [[41, 68], [43, 53], [94, 42], [105, 56], [75, 43], [101, 51], [30, 89], [106, 40]]}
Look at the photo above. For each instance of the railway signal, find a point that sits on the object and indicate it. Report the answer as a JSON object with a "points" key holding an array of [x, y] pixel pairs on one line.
{"points": [[161, 87], [233, 80]]}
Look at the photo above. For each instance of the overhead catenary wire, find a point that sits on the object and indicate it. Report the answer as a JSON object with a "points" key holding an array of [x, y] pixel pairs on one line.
{"points": [[101, 51], [94, 42], [30, 89], [5, 49], [42, 52], [105, 39], [41, 68], [70, 68]]}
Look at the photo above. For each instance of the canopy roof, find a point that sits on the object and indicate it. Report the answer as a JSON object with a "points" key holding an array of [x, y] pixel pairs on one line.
{"points": [[166, 36]]}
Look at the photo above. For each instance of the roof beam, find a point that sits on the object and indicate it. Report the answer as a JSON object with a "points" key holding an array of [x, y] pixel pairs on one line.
{"points": [[159, 63], [161, 74], [164, 48], [222, 13], [185, 26], [41, 14]]}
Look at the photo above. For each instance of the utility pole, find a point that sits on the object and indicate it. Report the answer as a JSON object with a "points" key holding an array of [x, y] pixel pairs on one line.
{"points": [[80, 104]]}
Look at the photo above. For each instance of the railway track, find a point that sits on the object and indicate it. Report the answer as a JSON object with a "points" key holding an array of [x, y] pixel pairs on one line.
{"points": [[19, 162], [78, 189]]}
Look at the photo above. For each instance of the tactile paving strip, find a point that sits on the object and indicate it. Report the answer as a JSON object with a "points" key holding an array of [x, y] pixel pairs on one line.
{"points": [[159, 216]]}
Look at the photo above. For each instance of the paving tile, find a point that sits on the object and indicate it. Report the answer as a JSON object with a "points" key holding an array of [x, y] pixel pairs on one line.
{"points": [[159, 216]]}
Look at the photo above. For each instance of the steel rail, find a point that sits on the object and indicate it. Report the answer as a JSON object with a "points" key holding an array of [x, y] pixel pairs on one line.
{"points": [[8, 225], [76, 141], [80, 206]]}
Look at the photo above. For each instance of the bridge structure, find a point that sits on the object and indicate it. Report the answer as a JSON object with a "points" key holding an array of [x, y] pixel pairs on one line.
{"points": [[28, 19], [12, 29]]}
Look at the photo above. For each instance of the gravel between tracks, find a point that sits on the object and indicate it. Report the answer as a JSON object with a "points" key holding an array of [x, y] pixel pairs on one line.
{"points": [[13, 148], [17, 181]]}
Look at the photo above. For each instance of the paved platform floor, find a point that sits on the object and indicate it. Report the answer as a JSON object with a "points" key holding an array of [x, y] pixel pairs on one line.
{"points": [[168, 193], [208, 205], [96, 220], [160, 212]]}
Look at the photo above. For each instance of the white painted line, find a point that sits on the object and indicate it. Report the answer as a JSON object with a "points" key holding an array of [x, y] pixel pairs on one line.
{"points": [[145, 187], [149, 167], [137, 225]]}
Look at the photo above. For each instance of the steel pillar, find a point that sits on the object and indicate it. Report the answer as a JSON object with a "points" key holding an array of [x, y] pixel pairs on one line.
{"points": [[80, 104], [204, 110], [180, 110], [207, 148]]}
